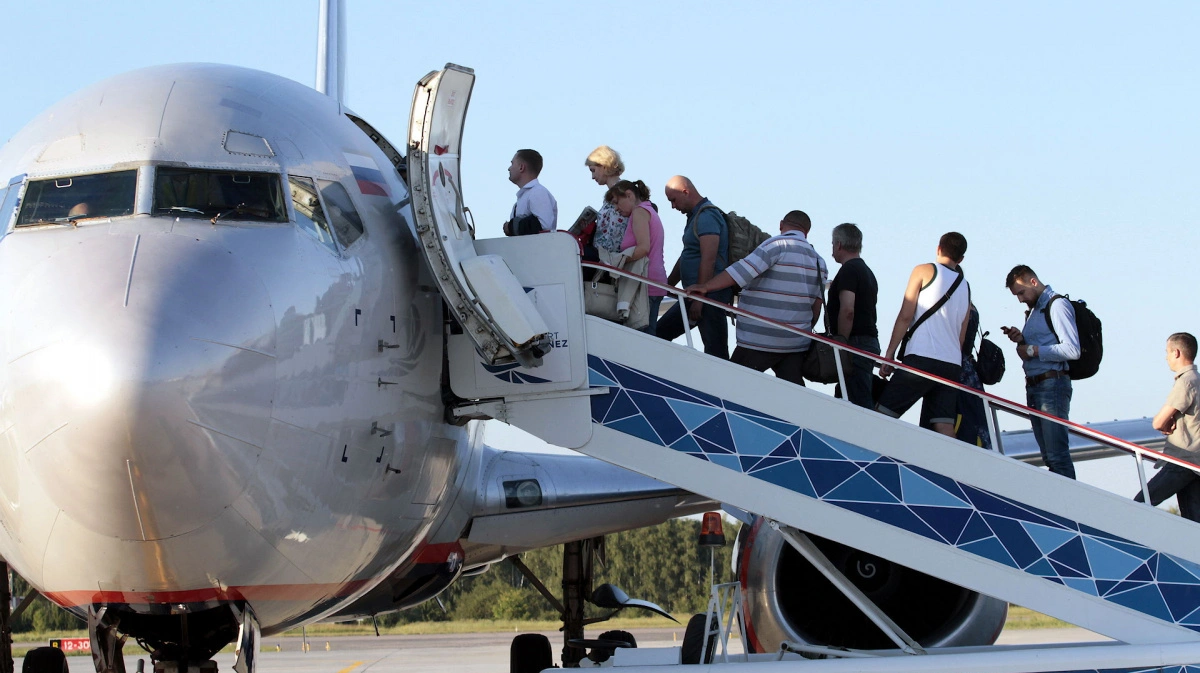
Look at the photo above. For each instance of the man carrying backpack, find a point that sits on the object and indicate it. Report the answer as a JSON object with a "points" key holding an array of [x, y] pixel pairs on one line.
{"points": [[783, 280], [705, 254], [1046, 344]]}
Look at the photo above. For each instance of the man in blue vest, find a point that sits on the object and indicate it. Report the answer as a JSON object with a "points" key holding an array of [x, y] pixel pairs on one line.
{"points": [[1046, 344]]}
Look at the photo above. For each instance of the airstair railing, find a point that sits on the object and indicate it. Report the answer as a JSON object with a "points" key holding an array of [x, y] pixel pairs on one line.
{"points": [[992, 403]]}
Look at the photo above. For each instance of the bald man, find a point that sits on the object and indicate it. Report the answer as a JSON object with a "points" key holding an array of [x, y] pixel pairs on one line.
{"points": [[705, 254]]}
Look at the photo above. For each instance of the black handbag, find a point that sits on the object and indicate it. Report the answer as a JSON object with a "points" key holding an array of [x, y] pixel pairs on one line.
{"points": [[989, 363], [819, 365], [524, 226]]}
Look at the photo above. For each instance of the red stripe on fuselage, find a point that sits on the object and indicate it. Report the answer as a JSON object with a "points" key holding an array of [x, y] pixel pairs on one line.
{"points": [[264, 592], [427, 553], [438, 553]]}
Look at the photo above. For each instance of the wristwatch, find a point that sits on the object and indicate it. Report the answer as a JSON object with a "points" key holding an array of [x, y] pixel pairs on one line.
{"points": [[1028, 351]]}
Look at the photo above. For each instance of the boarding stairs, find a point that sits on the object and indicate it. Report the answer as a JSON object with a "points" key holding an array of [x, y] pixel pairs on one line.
{"points": [[523, 351]]}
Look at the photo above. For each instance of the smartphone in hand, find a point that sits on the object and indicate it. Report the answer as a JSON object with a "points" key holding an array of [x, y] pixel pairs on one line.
{"points": [[1012, 333]]}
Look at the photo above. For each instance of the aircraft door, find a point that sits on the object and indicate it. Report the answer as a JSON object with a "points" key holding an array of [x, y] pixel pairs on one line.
{"points": [[8, 205], [486, 298]]}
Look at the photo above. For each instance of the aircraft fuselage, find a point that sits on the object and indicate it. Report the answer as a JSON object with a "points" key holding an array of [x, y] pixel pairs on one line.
{"points": [[196, 412]]}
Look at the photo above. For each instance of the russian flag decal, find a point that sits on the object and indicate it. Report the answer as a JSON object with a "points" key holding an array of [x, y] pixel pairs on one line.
{"points": [[366, 173]]}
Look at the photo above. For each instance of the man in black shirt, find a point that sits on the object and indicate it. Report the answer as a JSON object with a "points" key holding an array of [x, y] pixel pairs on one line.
{"points": [[851, 311]]}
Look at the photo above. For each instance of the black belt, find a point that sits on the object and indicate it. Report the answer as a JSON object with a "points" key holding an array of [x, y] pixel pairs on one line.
{"points": [[1034, 380]]}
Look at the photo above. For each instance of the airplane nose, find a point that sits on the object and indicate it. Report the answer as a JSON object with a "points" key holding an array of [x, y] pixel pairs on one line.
{"points": [[141, 379]]}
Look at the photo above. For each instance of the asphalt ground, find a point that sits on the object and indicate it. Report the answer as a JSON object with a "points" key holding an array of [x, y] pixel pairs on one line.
{"points": [[459, 653]]}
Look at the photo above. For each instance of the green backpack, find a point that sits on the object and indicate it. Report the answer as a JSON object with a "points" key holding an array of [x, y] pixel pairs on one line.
{"points": [[744, 237]]}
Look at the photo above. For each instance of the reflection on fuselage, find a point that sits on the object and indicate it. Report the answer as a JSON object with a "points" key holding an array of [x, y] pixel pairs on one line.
{"points": [[199, 411]]}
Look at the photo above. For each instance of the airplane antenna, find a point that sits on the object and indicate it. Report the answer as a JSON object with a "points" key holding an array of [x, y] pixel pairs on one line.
{"points": [[331, 50]]}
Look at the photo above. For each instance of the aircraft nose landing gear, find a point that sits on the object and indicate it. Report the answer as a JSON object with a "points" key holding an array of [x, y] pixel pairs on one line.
{"points": [[107, 642], [181, 642]]}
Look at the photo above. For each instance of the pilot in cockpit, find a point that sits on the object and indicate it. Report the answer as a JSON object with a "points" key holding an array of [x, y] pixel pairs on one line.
{"points": [[79, 211]]}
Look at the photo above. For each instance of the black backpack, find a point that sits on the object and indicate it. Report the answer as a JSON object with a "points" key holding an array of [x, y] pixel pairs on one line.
{"points": [[990, 362], [1091, 338]]}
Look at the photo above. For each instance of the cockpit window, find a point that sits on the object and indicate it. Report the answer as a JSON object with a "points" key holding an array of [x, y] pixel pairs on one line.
{"points": [[347, 225], [78, 197], [224, 195], [309, 214]]}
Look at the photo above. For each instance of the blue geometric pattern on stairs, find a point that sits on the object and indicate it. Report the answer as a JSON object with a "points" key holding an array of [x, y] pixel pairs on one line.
{"points": [[906, 496]]}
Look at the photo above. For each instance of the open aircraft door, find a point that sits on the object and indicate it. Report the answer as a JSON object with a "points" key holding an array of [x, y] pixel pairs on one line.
{"points": [[521, 356], [487, 299]]}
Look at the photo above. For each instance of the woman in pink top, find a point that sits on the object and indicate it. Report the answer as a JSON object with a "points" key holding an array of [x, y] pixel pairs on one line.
{"points": [[643, 237]]}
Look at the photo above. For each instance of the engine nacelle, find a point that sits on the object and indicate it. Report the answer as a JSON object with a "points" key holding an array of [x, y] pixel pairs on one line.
{"points": [[786, 598]]}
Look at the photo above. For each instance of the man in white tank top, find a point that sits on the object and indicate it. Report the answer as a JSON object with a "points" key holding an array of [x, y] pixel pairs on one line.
{"points": [[932, 325]]}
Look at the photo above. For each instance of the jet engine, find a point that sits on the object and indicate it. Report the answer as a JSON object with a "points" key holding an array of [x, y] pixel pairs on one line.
{"points": [[788, 599]]}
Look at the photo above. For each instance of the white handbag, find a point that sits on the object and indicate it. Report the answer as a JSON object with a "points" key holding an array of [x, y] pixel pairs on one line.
{"points": [[600, 297]]}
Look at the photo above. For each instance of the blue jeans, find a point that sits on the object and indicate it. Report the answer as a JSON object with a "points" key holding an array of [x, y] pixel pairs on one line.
{"points": [[1052, 396], [653, 303], [714, 329]]}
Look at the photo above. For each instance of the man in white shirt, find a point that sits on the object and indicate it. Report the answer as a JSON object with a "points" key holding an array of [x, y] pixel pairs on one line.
{"points": [[533, 200]]}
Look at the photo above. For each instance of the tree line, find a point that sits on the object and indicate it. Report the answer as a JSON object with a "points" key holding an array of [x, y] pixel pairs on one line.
{"points": [[41, 615], [662, 564]]}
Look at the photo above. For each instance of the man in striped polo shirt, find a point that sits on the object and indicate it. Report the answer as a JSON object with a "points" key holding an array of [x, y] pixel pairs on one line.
{"points": [[782, 280]]}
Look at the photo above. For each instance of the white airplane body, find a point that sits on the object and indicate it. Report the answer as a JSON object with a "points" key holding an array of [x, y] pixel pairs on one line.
{"points": [[221, 379], [177, 386]]}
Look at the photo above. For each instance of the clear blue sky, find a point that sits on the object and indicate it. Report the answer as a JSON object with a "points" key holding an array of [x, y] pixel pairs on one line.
{"points": [[1061, 135]]}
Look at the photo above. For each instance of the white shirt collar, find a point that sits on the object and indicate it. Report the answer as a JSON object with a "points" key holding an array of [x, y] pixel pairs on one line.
{"points": [[528, 185]]}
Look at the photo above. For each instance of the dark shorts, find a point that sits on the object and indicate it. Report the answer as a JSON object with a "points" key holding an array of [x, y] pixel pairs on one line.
{"points": [[905, 388]]}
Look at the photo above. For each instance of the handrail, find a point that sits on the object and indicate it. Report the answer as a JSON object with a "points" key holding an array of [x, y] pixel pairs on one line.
{"points": [[991, 402]]}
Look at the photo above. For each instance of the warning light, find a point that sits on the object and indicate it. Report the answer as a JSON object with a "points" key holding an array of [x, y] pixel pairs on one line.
{"points": [[712, 534]]}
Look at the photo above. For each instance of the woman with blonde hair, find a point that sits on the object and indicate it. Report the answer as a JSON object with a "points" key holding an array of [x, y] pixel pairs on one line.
{"points": [[606, 167]]}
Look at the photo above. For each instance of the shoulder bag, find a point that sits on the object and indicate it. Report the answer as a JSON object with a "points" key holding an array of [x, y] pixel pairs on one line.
{"points": [[819, 365]]}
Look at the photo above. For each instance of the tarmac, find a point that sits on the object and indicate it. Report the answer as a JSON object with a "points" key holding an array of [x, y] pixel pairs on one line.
{"points": [[460, 653]]}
